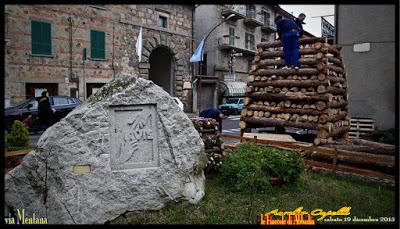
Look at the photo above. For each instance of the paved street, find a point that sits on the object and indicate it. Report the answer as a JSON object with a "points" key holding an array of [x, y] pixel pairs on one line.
{"points": [[231, 125]]}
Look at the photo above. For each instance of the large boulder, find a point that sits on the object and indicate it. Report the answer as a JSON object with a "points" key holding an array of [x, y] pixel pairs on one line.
{"points": [[128, 148]]}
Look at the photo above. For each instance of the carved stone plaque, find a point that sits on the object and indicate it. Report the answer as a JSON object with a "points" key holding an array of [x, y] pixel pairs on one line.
{"points": [[134, 140]]}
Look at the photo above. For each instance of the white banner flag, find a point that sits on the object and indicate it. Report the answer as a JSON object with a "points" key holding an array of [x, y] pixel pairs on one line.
{"points": [[139, 45]]}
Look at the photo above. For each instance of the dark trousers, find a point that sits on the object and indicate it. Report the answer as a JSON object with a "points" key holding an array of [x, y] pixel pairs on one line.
{"points": [[291, 48], [43, 124]]}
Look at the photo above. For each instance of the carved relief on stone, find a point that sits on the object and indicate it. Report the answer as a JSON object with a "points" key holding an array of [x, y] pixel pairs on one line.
{"points": [[134, 137]]}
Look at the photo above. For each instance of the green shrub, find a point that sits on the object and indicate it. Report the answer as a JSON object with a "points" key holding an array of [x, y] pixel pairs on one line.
{"points": [[385, 136], [251, 166], [6, 137], [19, 135]]}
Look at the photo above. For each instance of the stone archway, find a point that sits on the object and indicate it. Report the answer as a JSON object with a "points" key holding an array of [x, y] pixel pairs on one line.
{"points": [[161, 40], [162, 69], [179, 56]]}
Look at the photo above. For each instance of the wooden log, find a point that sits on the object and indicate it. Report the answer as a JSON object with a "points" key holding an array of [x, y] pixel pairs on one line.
{"points": [[320, 66], [359, 148], [250, 113], [281, 62], [257, 78], [251, 78], [321, 77], [283, 110], [332, 49], [302, 41], [337, 104], [335, 61], [381, 147], [267, 114], [277, 122], [320, 105], [318, 45], [261, 114], [285, 72], [249, 89], [335, 69], [323, 133], [242, 125], [335, 90], [319, 56], [308, 96], [321, 89], [289, 83], [285, 89], [288, 103], [356, 160], [246, 100], [243, 112], [304, 51], [324, 118], [257, 58]]}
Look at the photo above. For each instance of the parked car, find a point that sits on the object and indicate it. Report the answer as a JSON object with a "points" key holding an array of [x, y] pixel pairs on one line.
{"points": [[232, 105], [178, 102], [61, 104]]}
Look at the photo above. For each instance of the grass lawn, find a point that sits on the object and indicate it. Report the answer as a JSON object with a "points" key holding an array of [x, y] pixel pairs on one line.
{"points": [[324, 191]]}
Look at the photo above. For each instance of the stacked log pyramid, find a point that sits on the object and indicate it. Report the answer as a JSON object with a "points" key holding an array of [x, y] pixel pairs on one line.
{"points": [[311, 97]]}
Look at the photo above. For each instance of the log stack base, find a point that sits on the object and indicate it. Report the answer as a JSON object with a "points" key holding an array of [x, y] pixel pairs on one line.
{"points": [[312, 97]]}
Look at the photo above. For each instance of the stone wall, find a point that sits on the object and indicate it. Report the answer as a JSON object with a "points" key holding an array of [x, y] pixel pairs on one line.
{"points": [[121, 24]]}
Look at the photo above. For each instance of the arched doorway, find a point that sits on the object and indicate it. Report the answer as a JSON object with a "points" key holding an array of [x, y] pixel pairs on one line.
{"points": [[162, 69]]}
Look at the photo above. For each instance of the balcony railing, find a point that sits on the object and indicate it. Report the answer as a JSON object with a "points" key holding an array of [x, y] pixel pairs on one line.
{"points": [[253, 19], [228, 41], [238, 10], [268, 25]]}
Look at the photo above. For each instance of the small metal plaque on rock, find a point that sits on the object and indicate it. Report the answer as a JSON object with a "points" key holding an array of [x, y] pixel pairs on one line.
{"points": [[134, 140]]}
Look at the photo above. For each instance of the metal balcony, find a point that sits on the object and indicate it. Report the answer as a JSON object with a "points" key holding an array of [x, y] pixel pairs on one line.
{"points": [[252, 19], [227, 43], [238, 10], [268, 27]]}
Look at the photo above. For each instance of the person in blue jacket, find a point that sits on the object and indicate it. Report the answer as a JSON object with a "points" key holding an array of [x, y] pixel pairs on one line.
{"points": [[289, 32], [299, 22], [215, 114]]}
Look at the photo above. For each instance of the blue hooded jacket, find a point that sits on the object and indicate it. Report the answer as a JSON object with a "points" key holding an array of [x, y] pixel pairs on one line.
{"points": [[286, 25]]}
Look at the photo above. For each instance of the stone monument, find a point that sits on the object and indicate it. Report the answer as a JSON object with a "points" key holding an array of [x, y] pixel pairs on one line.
{"points": [[128, 148]]}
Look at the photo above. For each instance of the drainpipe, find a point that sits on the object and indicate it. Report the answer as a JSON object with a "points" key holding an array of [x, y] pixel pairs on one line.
{"points": [[336, 23], [70, 47], [191, 64]]}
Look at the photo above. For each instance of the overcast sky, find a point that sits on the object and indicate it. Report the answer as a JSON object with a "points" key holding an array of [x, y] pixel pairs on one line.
{"points": [[313, 25]]}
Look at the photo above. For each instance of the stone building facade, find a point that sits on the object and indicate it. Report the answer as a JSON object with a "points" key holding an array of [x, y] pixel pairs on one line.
{"points": [[108, 30]]}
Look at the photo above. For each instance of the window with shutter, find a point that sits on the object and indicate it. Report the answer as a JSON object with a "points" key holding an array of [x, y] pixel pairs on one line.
{"points": [[231, 36], [97, 44], [41, 38]]}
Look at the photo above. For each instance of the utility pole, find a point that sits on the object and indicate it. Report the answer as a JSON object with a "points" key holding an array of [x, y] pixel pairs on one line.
{"points": [[205, 39], [84, 78]]}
